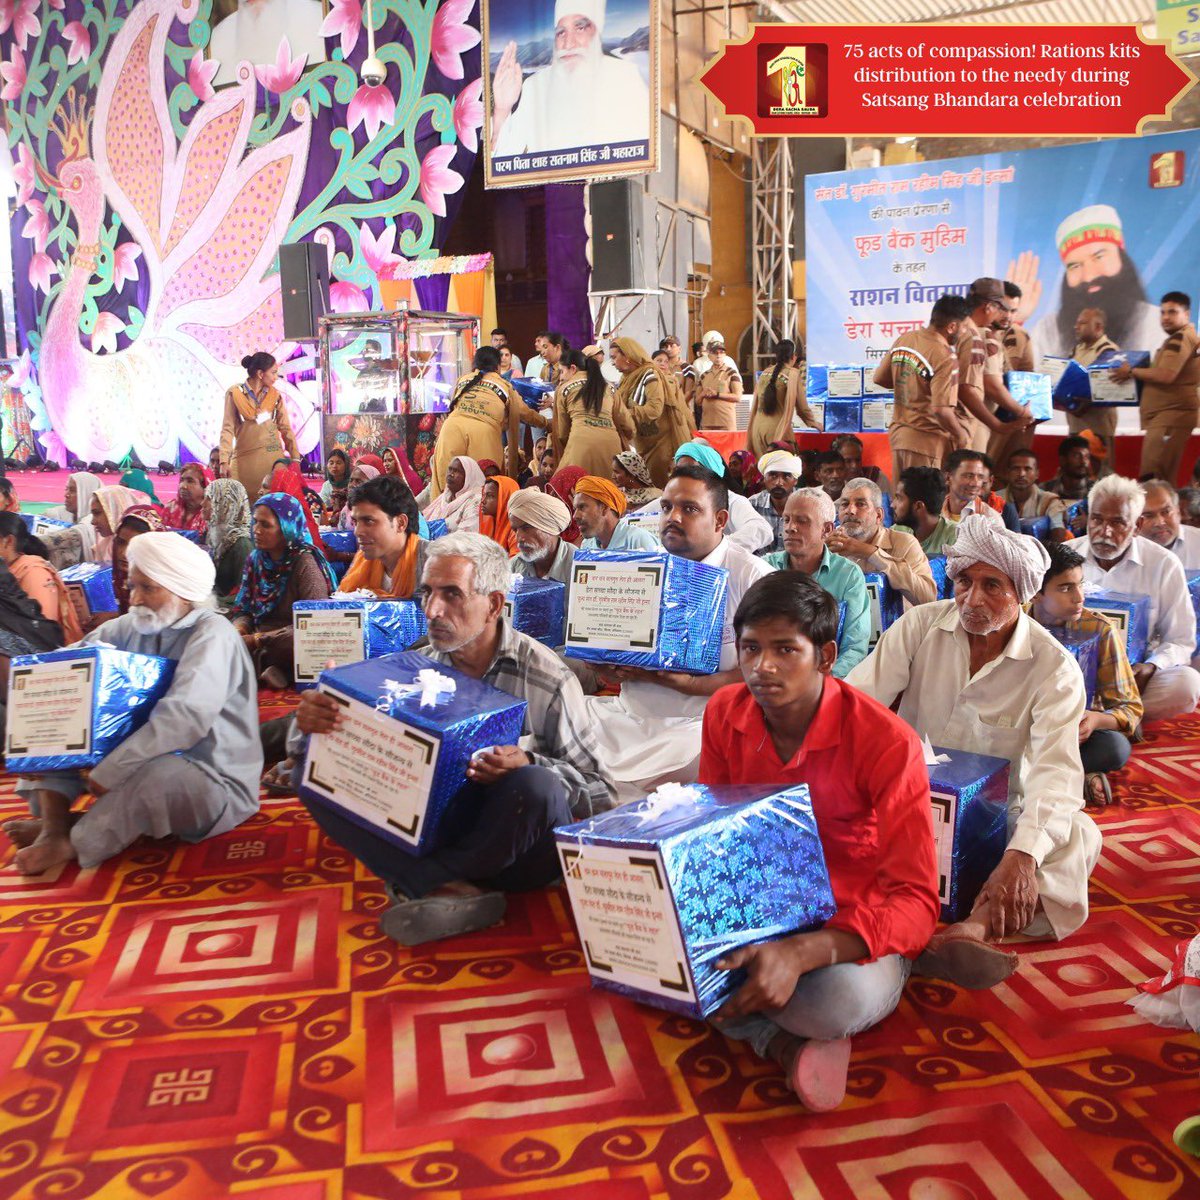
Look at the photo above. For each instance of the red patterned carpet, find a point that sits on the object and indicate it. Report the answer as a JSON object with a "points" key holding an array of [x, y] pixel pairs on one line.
{"points": [[224, 1020]]}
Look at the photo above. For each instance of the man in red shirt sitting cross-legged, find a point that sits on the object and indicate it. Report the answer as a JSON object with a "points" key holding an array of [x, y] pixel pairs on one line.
{"points": [[793, 722]]}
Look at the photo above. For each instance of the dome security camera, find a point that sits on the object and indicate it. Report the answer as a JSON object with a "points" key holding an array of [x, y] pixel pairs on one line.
{"points": [[373, 72]]}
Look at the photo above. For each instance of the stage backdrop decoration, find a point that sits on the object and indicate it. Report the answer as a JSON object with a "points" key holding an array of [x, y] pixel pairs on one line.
{"points": [[1109, 225], [152, 199], [572, 90]]}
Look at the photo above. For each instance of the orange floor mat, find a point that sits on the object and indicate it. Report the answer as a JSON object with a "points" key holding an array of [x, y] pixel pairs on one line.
{"points": [[225, 1020]]}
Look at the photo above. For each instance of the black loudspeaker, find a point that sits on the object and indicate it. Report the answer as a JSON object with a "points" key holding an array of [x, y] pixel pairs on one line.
{"points": [[304, 284], [618, 257]]}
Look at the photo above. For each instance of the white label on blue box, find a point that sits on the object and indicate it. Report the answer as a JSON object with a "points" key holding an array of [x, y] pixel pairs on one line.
{"points": [[615, 606], [324, 636], [1054, 367], [876, 611], [845, 383], [1118, 618], [376, 766], [626, 919], [50, 709], [1107, 391], [817, 407], [870, 387], [876, 414], [945, 812]]}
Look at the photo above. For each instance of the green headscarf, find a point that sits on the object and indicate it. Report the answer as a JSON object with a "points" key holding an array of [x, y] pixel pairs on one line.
{"points": [[139, 481]]}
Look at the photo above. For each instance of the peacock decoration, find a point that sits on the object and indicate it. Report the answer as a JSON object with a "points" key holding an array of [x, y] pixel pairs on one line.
{"points": [[152, 205]]}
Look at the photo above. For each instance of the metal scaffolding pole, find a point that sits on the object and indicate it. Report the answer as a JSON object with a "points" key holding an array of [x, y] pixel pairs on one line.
{"points": [[772, 220]]}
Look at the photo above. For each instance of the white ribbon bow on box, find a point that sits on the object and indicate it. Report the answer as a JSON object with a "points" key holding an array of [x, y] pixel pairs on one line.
{"points": [[932, 758], [432, 686], [666, 797]]}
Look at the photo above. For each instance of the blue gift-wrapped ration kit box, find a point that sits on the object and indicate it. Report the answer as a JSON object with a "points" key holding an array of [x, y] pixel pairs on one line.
{"points": [[1193, 582], [887, 605], [1032, 389], [537, 608], [1036, 527], [969, 794], [90, 590], [1085, 650], [1104, 391], [398, 764], [37, 524], [943, 582], [844, 381], [646, 608], [661, 889], [438, 528], [348, 629], [1130, 615], [843, 416], [532, 391], [68, 709]]}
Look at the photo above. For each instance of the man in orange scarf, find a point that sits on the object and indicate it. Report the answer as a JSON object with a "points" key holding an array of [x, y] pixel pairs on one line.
{"points": [[390, 554]]}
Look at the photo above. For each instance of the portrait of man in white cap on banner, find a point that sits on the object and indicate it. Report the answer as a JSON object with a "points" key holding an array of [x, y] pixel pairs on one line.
{"points": [[1097, 273], [578, 93]]}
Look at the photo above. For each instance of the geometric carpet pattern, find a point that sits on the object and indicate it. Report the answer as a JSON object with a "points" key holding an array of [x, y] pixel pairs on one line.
{"points": [[225, 1020]]}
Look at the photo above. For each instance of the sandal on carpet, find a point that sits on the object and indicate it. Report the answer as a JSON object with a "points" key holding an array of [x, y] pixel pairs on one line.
{"points": [[1097, 791], [277, 781], [431, 918], [1187, 1135], [966, 961]]}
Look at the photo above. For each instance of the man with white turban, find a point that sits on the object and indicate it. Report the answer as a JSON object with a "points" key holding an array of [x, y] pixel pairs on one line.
{"points": [[538, 520], [585, 97], [781, 472], [976, 674], [192, 770]]}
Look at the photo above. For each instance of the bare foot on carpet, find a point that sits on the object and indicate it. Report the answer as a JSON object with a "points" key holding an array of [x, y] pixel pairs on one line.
{"points": [[22, 831], [48, 851]]}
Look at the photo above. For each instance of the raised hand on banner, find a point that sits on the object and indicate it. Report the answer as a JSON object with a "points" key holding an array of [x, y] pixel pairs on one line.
{"points": [[1024, 273], [506, 87]]}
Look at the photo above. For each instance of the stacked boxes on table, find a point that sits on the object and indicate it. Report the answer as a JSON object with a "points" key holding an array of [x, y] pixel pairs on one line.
{"points": [[1130, 615], [90, 590], [646, 608], [397, 766], [68, 709], [662, 888], [969, 793], [347, 629], [1085, 650]]}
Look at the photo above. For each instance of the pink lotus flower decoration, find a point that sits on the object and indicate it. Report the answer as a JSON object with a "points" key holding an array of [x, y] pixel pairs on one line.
{"points": [[200, 74], [13, 75], [80, 41], [378, 252], [21, 17], [345, 297], [371, 107], [23, 173], [468, 114], [437, 180], [125, 263], [345, 18], [451, 36], [40, 269], [104, 336], [38, 225], [284, 72]]}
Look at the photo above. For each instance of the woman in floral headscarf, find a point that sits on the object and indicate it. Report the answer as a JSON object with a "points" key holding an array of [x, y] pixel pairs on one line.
{"points": [[141, 518], [227, 511], [186, 511], [631, 474], [284, 566]]}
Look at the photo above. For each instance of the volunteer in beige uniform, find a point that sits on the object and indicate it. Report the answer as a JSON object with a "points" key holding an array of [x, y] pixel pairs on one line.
{"points": [[1092, 342], [719, 388], [921, 368], [1016, 349], [1169, 400]]}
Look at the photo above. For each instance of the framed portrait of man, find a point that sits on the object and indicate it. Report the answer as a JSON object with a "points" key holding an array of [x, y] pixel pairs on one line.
{"points": [[570, 90]]}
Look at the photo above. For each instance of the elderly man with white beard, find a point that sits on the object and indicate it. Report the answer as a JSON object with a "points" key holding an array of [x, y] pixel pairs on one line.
{"points": [[538, 521], [583, 98], [977, 674], [192, 770]]}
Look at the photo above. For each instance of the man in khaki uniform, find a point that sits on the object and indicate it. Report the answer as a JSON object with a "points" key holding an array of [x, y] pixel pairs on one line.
{"points": [[1169, 399], [981, 366], [1018, 345], [921, 368], [719, 388], [1091, 342]]}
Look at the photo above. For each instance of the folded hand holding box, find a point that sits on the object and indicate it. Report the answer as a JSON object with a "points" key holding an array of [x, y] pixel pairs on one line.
{"points": [[536, 608], [90, 589], [1130, 616], [886, 604], [1085, 650], [68, 709], [969, 793], [646, 608], [1031, 389], [662, 888], [398, 765], [346, 629]]}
